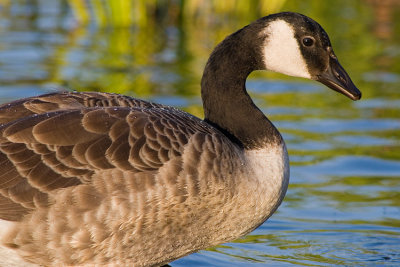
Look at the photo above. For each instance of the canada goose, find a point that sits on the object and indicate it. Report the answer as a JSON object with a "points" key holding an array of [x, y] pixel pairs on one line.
{"points": [[96, 178]]}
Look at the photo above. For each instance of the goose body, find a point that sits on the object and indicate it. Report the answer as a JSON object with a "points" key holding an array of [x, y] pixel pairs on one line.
{"points": [[105, 179]]}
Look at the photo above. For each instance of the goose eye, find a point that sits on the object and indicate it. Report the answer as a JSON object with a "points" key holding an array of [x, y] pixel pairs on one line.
{"points": [[307, 41]]}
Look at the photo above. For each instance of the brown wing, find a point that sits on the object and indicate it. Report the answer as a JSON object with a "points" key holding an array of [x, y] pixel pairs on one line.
{"points": [[67, 100], [60, 140]]}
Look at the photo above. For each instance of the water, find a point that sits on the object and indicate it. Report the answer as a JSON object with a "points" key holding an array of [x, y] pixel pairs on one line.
{"points": [[343, 202]]}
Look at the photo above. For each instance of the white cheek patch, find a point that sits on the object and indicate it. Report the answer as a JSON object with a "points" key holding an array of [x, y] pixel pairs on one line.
{"points": [[281, 51]]}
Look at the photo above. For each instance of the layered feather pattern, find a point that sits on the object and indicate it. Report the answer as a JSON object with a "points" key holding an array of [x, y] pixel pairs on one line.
{"points": [[90, 177]]}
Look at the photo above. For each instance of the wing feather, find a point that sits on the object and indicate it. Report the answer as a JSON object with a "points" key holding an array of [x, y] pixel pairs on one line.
{"points": [[62, 140]]}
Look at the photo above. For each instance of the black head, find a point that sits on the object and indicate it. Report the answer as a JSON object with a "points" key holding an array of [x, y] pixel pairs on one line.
{"points": [[297, 45]]}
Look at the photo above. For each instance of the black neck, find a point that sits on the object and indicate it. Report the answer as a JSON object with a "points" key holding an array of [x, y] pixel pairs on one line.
{"points": [[226, 102]]}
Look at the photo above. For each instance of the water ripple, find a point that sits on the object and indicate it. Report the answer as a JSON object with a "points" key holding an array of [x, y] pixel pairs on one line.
{"points": [[352, 166]]}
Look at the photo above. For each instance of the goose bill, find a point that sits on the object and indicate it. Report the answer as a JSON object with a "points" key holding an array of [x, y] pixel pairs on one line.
{"points": [[336, 78]]}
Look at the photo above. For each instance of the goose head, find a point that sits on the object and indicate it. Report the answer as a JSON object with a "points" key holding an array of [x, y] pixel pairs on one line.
{"points": [[296, 45], [289, 43]]}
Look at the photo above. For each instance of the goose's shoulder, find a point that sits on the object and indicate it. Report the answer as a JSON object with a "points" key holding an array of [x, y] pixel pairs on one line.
{"points": [[68, 100]]}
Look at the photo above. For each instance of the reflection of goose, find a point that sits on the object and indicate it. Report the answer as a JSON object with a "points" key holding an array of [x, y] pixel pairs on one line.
{"points": [[95, 178]]}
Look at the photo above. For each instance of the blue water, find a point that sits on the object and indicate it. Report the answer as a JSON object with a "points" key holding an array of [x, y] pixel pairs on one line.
{"points": [[343, 202]]}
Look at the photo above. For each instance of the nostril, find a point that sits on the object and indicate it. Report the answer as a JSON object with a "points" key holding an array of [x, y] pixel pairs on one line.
{"points": [[340, 76], [337, 75]]}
